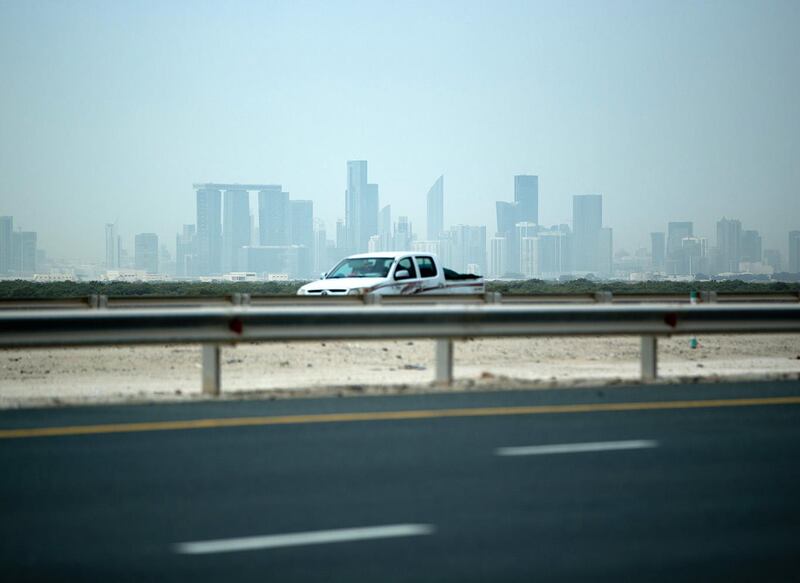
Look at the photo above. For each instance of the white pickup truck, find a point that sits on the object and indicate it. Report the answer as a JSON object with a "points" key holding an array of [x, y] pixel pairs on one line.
{"points": [[392, 273]]}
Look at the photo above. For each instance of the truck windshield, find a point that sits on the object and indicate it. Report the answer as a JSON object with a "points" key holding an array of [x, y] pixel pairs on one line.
{"points": [[362, 267]]}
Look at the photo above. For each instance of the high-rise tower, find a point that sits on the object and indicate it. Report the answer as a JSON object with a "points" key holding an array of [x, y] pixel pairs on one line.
{"points": [[235, 228], [435, 201], [209, 232], [657, 250], [302, 233], [6, 235], [112, 246], [354, 195], [587, 223], [526, 195], [677, 231], [23, 252], [794, 251], [361, 206], [274, 218], [750, 246], [729, 240]]}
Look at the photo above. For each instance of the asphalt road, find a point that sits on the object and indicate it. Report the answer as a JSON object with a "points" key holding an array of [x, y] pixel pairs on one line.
{"points": [[671, 483]]}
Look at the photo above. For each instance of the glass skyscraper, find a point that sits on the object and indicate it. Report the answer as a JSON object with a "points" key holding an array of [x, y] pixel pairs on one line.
{"points": [[526, 195], [235, 228], [587, 222], [274, 219], [209, 232], [435, 201]]}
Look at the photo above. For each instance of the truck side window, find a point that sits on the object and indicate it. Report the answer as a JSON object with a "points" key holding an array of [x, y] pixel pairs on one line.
{"points": [[427, 268], [408, 265]]}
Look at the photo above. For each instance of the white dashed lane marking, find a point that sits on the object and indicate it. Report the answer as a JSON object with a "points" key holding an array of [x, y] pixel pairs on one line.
{"points": [[318, 537], [576, 447]]}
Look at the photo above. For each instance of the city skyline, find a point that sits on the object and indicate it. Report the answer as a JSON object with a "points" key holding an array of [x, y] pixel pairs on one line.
{"points": [[287, 240], [270, 232], [771, 239]]}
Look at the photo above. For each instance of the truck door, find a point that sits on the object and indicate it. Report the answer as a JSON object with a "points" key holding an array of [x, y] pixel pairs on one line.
{"points": [[429, 280], [405, 276]]}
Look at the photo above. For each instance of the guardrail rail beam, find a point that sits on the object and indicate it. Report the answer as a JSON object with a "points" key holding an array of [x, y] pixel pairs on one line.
{"points": [[216, 326]]}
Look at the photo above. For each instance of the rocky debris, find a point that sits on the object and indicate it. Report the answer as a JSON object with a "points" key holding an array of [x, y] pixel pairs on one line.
{"points": [[414, 367]]}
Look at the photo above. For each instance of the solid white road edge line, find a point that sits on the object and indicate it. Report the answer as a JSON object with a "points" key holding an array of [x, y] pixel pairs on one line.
{"points": [[317, 537], [576, 447]]}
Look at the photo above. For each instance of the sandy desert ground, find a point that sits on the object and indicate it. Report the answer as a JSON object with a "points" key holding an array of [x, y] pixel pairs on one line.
{"points": [[42, 377]]}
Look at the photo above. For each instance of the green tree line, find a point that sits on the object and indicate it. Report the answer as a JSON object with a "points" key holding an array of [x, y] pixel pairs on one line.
{"points": [[20, 289], [71, 289], [583, 286]]}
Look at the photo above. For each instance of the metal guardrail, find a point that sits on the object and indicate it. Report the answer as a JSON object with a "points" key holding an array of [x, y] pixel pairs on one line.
{"points": [[244, 299], [216, 326]]}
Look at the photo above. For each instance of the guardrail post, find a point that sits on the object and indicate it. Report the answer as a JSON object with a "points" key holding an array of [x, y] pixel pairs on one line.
{"points": [[212, 384], [649, 357], [708, 297], [444, 361], [240, 299], [371, 299], [98, 301], [493, 297], [603, 297]]}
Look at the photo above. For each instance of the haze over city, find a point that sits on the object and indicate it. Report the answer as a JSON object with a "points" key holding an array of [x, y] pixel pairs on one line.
{"points": [[379, 290], [673, 112]]}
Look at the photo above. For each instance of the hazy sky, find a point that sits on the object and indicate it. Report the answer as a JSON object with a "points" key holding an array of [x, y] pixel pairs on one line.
{"points": [[672, 110]]}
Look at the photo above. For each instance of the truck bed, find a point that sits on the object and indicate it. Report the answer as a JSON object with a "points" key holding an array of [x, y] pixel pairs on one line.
{"points": [[451, 275]]}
